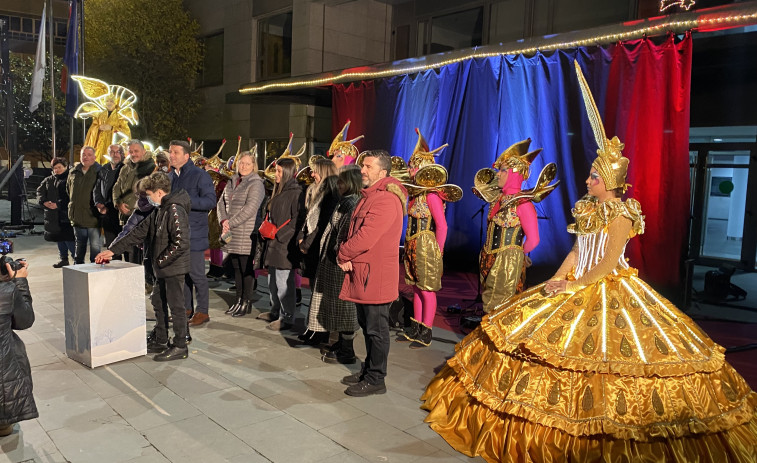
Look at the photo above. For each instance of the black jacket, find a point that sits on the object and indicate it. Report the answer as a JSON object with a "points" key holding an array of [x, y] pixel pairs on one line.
{"points": [[202, 194], [106, 178], [167, 228], [282, 252], [16, 313], [57, 225]]}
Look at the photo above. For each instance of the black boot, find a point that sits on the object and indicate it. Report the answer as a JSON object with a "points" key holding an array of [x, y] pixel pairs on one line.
{"points": [[153, 346], [333, 347], [215, 271], [317, 338], [344, 355], [233, 307], [424, 337], [410, 333], [244, 308], [61, 263]]}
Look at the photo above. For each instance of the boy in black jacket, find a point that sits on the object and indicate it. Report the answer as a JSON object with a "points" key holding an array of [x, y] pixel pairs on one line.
{"points": [[166, 230]]}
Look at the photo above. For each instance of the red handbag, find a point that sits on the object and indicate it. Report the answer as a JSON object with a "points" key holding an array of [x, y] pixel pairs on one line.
{"points": [[268, 230]]}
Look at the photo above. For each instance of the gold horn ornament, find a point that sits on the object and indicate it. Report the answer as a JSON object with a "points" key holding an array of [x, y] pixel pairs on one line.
{"points": [[611, 165]]}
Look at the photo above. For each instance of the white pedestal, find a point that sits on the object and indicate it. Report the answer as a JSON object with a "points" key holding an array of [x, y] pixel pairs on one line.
{"points": [[104, 308]]}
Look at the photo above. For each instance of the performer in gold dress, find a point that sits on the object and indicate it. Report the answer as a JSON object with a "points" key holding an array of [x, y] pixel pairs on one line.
{"points": [[111, 110], [511, 221], [594, 365], [425, 236]]}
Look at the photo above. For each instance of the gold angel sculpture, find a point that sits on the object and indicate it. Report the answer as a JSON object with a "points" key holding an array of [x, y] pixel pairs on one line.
{"points": [[111, 109]]}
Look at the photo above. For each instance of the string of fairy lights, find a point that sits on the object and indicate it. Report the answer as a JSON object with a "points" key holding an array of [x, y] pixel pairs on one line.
{"points": [[656, 29]]}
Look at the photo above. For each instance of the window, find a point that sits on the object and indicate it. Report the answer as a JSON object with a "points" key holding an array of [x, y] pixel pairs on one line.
{"points": [[507, 21], [457, 30], [275, 46], [211, 72]]}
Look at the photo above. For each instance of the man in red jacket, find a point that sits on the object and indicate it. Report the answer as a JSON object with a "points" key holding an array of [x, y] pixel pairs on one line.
{"points": [[370, 260]]}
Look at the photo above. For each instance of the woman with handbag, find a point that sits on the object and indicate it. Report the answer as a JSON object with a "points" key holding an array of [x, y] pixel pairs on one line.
{"points": [[237, 209], [282, 257]]}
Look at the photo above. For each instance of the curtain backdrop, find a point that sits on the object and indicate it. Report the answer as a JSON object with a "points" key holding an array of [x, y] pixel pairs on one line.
{"points": [[482, 106]]}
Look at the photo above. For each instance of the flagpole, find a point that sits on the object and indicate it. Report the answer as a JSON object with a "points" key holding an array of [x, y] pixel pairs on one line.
{"points": [[52, 77]]}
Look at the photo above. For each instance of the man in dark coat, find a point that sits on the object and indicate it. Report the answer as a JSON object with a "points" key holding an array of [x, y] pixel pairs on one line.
{"points": [[16, 313], [167, 229], [81, 207], [103, 194], [370, 259], [202, 194]]}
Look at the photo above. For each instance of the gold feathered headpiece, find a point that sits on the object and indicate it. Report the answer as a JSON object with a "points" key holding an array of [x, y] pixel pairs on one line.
{"points": [[422, 156], [611, 165], [518, 158], [343, 147]]}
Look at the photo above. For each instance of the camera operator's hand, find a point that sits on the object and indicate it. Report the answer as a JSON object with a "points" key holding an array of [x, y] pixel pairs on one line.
{"points": [[103, 257], [23, 272]]}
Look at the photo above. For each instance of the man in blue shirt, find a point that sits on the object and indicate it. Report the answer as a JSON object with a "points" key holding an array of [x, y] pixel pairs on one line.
{"points": [[197, 183]]}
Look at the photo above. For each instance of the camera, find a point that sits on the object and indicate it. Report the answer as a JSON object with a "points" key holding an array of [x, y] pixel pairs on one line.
{"points": [[6, 247]]}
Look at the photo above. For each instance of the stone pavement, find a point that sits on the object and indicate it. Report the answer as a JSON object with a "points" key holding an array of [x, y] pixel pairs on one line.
{"points": [[245, 394]]}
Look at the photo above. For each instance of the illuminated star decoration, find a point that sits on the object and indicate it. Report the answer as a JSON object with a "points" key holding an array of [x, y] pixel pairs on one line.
{"points": [[98, 92], [683, 4]]}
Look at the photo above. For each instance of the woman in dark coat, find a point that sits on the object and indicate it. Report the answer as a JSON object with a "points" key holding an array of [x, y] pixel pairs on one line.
{"points": [[327, 311], [321, 198], [16, 313], [52, 195], [282, 256]]}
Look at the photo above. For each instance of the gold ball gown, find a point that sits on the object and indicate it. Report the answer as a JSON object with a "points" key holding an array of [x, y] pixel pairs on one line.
{"points": [[608, 371]]}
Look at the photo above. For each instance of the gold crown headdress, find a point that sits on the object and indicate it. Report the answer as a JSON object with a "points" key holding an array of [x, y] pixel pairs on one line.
{"points": [[270, 172], [342, 146], [518, 158], [422, 156], [215, 161], [611, 165]]}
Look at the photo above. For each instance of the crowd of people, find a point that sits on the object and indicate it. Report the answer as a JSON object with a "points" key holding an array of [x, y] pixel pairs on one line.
{"points": [[584, 362]]}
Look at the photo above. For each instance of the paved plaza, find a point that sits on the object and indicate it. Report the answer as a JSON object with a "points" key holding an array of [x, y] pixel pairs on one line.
{"points": [[245, 394]]}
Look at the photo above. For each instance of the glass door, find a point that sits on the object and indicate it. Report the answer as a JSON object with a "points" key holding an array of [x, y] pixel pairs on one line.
{"points": [[723, 196]]}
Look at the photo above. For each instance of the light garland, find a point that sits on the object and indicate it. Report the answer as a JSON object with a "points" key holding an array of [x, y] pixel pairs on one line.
{"points": [[679, 25], [685, 4]]}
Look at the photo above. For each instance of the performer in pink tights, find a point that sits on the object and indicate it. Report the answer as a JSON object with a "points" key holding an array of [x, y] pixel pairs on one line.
{"points": [[425, 237], [512, 229]]}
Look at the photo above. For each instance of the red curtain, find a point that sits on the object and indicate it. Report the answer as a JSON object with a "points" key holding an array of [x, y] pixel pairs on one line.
{"points": [[647, 107], [357, 103]]}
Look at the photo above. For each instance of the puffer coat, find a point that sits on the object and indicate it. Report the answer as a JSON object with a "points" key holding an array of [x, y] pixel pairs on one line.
{"points": [[239, 204], [16, 313]]}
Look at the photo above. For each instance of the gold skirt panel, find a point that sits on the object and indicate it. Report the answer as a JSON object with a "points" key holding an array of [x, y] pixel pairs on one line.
{"points": [[504, 279], [472, 428], [423, 262], [593, 376]]}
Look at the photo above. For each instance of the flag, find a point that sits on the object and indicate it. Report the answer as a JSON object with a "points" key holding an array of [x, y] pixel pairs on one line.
{"points": [[38, 75], [71, 59]]}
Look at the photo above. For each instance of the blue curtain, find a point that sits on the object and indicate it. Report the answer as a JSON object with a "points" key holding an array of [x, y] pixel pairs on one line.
{"points": [[480, 107]]}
